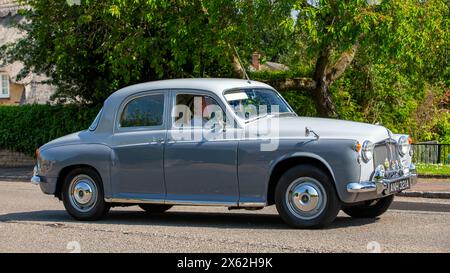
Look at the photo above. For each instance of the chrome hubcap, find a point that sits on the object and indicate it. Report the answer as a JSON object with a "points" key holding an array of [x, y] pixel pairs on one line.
{"points": [[306, 198], [82, 193]]}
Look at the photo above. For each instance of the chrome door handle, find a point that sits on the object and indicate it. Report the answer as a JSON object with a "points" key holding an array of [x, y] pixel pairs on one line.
{"points": [[156, 140]]}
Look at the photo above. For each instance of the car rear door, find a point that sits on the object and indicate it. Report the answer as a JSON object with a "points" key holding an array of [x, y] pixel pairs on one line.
{"points": [[138, 147]]}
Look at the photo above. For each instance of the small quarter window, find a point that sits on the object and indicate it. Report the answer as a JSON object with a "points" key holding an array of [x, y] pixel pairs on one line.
{"points": [[143, 111], [96, 120]]}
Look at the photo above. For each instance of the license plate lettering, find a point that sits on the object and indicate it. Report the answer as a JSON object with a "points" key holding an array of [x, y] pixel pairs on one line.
{"points": [[399, 186]]}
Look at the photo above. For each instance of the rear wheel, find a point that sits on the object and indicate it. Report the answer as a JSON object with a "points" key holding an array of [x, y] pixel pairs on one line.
{"points": [[370, 209], [83, 196], [155, 208], [305, 197]]}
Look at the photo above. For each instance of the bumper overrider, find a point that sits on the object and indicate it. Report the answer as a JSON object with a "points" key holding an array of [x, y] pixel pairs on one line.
{"points": [[380, 185], [46, 183], [35, 179]]}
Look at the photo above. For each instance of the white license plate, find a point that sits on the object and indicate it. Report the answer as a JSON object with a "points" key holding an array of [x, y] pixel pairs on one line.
{"points": [[399, 186]]}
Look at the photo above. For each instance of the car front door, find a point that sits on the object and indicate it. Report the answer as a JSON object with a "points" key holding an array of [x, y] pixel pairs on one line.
{"points": [[138, 148], [200, 162]]}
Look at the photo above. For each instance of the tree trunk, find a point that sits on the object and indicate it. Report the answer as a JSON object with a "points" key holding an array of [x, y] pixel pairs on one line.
{"points": [[324, 102], [325, 74], [322, 97]]}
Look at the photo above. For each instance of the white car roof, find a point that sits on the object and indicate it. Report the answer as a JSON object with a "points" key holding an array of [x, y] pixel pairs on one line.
{"points": [[210, 84], [217, 86]]}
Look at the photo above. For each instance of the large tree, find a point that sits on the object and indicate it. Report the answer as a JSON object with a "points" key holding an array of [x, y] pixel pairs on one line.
{"points": [[410, 35]]}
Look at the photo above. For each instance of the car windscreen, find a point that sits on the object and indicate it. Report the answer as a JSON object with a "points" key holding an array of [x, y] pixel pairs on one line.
{"points": [[254, 102]]}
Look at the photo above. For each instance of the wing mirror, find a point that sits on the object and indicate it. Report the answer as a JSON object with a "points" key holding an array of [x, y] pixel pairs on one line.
{"points": [[309, 131]]}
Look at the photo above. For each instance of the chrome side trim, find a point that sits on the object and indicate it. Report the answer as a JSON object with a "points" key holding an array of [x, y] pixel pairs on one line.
{"points": [[200, 203], [183, 202], [134, 201], [252, 204]]}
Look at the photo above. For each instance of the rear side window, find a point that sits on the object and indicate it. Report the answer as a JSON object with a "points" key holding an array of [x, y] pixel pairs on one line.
{"points": [[145, 111]]}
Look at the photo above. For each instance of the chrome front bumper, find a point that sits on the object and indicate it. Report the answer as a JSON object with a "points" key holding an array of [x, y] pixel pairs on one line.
{"points": [[379, 186]]}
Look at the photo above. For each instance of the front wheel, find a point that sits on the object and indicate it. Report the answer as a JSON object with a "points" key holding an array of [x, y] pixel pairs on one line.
{"points": [[370, 209], [82, 195], [305, 197]]}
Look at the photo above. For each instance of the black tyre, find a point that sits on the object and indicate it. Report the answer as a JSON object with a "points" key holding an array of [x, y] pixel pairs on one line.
{"points": [[305, 197], [83, 196], [370, 209], [155, 208]]}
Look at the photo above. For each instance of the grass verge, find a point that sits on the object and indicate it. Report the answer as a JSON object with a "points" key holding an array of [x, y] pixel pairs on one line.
{"points": [[433, 169]]}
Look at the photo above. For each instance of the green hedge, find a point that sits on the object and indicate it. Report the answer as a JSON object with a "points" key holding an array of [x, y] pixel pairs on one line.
{"points": [[25, 128]]}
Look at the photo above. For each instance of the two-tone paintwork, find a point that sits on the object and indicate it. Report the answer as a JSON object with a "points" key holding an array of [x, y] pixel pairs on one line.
{"points": [[148, 165]]}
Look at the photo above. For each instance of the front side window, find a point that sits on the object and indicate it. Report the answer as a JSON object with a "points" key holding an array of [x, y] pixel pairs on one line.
{"points": [[145, 111], [193, 110], [4, 85], [254, 102]]}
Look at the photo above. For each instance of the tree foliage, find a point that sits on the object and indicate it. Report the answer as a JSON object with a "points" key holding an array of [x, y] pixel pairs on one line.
{"points": [[368, 60], [92, 49], [408, 36]]}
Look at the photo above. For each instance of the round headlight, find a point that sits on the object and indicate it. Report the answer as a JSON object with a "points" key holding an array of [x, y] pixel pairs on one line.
{"points": [[403, 146], [367, 151]]}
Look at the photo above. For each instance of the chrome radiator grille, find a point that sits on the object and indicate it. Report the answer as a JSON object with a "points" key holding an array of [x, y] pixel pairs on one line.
{"points": [[384, 153]]}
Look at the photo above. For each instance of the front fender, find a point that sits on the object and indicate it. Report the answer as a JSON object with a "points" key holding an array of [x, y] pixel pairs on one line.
{"points": [[255, 167], [338, 157], [53, 160]]}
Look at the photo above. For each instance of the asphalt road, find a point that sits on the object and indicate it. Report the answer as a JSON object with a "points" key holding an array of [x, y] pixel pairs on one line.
{"points": [[33, 222]]}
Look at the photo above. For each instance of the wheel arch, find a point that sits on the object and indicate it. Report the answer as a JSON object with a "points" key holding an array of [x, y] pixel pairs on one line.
{"points": [[286, 163], [64, 171]]}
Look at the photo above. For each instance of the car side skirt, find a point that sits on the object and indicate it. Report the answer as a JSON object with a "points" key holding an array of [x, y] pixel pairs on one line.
{"points": [[185, 203]]}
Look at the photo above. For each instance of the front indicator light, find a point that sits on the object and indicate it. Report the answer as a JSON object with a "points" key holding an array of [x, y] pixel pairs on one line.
{"points": [[357, 147]]}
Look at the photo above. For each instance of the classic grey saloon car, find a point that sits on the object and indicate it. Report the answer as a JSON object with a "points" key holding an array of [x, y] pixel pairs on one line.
{"points": [[223, 142]]}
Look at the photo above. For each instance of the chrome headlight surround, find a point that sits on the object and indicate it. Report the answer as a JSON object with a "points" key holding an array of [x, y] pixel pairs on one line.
{"points": [[403, 146], [367, 151]]}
